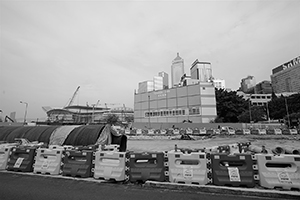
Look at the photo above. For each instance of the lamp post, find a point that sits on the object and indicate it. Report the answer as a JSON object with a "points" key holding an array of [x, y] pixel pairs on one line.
{"points": [[287, 111], [149, 111], [25, 110], [250, 109], [268, 113]]}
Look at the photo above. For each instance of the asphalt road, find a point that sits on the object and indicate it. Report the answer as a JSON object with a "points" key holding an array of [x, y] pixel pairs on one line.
{"points": [[14, 186]]}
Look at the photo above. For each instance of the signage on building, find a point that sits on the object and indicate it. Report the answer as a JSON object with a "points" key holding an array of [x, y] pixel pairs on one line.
{"points": [[287, 65]]}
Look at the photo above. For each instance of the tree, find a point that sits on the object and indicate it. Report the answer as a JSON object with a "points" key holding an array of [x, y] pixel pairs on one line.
{"points": [[112, 119], [229, 106], [129, 118], [258, 113]]}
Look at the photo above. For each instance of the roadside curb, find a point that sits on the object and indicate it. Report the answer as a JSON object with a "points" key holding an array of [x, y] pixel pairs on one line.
{"points": [[269, 193], [225, 190]]}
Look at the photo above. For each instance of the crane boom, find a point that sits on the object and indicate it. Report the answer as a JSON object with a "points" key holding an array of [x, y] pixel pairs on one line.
{"points": [[73, 97]]}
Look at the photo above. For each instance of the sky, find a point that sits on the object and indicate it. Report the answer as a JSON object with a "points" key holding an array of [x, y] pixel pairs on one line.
{"points": [[49, 48]]}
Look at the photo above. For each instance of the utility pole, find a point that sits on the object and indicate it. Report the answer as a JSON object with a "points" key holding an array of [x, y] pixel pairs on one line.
{"points": [[287, 111]]}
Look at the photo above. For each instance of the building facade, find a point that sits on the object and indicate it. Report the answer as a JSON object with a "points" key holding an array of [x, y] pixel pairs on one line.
{"points": [[157, 83], [219, 83], [248, 84], [264, 87], [177, 70], [286, 77], [201, 71], [194, 103], [165, 77], [146, 86]]}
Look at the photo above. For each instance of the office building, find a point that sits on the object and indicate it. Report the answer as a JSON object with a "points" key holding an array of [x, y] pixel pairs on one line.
{"points": [[177, 70], [165, 79], [146, 86], [264, 87], [219, 83], [286, 77], [201, 71], [157, 83], [248, 84]]}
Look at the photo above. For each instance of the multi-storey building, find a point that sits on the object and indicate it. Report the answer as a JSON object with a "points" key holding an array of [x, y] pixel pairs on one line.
{"points": [[219, 83], [248, 84], [264, 87], [201, 71], [177, 70], [286, 77], [146, 86], [165, 79], [157, 83]]}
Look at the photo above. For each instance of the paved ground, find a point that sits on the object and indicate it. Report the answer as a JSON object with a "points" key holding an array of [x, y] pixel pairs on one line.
{"points": [[14, 186]]}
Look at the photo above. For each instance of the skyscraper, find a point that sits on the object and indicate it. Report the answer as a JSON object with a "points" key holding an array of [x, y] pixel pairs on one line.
{"points": [[165, 79], [157, 83], [201, 71], [177, 70], [248, 84]]}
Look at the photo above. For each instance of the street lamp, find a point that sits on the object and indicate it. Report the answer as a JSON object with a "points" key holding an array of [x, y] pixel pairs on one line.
{"points": [[149, 110], [268, 113], [25, 110], [250, 109], [287, 111]]}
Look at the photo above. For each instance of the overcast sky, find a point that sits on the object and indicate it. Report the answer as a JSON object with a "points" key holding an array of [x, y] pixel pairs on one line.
{"points": [[49, 48]]}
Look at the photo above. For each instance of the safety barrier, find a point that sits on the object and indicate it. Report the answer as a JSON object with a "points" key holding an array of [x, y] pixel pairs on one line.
{"points": [[163, 132], [77, 163], [279, 171], [139, 131], [254, 131], [127, 132], [293, 131], [21, 159], [231, 131], [196, 131], [111, 165], [189, 131], [202, 131], [217, 131], [189, 168], [239, 170], [285, 131], [277, 131], [239, 132], [48, 161], [4, 156], [150, 132], [176, 132], [246, 131], [147, 166], [262, 131], [270, 131]]}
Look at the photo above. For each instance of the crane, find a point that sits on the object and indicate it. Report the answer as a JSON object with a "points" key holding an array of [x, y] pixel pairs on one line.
{"points": [[73, 97]]}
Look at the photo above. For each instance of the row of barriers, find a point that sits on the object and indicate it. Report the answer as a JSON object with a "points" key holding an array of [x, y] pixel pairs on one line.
{"points": [[204, 131], [220, 166]]}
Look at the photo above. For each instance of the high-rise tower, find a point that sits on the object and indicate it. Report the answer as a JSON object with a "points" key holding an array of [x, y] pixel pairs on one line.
{"points": [[201, 71], [165, 79], [177, 70]]}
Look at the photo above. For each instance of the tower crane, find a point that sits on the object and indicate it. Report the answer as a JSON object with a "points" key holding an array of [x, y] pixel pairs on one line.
{"points": [[73, 97]]}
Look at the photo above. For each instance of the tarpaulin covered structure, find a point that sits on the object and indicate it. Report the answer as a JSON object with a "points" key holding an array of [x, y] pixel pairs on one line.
{"points": [[65, 135]]}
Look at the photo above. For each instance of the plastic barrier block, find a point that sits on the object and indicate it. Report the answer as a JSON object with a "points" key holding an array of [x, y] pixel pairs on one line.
{"points": [[254, 132], [293, 131], [209, 132], [217, 131], [176, 132], [4, 156], [231, 131], [239, 170], [48, 161], [270, 132], [87, 148], [279, 171], [189, 131], [196, 131], [163, 132], [77, 163], [239, 132], [111, 165], [277, 131], [286, 132], [138, 131], [262, 131], [150, 132], [21, 159], [189, 168], [224, 149], [202, 131], [246, 131], [147, 166], [127, 131]]}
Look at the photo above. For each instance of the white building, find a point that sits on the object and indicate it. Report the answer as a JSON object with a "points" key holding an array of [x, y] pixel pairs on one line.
{"points": [[177, 70], [219, 83], [201, 71], [146, 86], [158, 83]]}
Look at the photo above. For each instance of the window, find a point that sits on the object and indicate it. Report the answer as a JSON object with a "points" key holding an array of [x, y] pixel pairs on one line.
{"points": [[183, 112]]}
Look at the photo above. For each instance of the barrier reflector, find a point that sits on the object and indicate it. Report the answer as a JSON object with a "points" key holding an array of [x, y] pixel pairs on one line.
{"points": [[77, 163], [246, 131], [262, 131], [293, 131], [111, 165], [277, 131], [279, 171], [147, 166], [4, 156], [48, 161], [21, 159], [239, 170], [188, 168]]}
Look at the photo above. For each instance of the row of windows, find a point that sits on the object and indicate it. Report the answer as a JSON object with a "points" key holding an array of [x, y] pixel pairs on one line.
{"points": [[173, 112], [260, 97]]}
